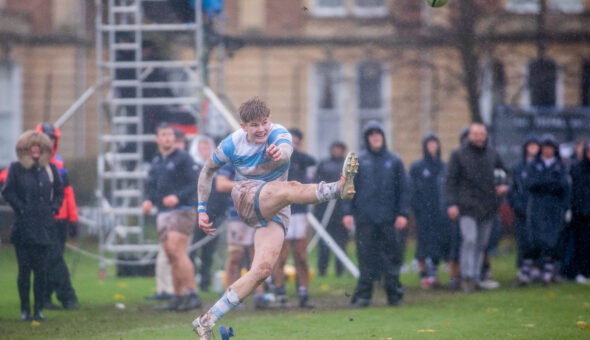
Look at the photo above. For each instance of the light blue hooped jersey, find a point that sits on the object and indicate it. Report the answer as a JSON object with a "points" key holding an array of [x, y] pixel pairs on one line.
{"points": [[249, 159]]}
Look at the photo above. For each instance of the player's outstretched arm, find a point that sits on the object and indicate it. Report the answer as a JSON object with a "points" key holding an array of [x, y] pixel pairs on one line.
{"points": [[204, 191]]}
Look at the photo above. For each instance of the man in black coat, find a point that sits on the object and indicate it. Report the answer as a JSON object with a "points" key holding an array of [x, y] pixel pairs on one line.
{"points": [[518, 197], [379, 209], [330, 170], [172, 187], [549, 198], [35, 192], [427, 177], [471, 195], [580, 174]]}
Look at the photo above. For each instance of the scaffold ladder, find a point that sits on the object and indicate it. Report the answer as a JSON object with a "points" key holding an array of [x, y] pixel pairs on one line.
{"points": [[121, 104]]}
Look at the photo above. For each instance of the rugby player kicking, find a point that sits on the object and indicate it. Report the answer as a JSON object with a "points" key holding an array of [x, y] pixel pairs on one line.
{"points": [[260, 153]]}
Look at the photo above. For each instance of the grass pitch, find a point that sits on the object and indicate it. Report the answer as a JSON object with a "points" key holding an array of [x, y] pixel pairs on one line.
{"points": [[557, 312]]}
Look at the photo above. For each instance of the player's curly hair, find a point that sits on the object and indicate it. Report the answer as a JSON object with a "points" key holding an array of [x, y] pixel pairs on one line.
{"points": [[253, 109]]}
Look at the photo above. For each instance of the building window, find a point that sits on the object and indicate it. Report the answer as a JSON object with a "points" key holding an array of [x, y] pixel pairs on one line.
{"points": [[10, 110], [493, 89], [542, 82], [329, 8], [341, 8], [326, 99], [370, 95], [585, 88], [369, 84], [498, 83], [369, 8], [533, 6]]}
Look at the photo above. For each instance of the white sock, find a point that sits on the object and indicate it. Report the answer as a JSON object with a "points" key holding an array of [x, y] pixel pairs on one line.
{"points": [[228, 301], [327, 191]]}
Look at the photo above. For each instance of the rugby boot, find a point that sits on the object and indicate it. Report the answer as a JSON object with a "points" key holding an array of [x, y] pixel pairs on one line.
{"points": [[349, 170], [204, 331]]}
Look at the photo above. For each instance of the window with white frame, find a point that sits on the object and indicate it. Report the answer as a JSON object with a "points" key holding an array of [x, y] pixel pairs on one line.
{"points": [[10, 110], [493, 89], [329, 8], [341, 8], [533, 6], [371, 92], [327, 108], [369, 8]]}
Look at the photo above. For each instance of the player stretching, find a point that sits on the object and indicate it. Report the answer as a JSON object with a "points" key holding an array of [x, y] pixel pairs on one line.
{"points": [[260, 153]]}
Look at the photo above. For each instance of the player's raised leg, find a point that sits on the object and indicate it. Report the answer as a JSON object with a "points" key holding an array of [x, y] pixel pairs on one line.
{"points": [[268, 242], [277, 195]]}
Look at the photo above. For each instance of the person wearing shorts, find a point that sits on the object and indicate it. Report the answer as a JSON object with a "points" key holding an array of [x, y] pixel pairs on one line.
{"points": [[297, 232], [171, 186], [260, 152]]}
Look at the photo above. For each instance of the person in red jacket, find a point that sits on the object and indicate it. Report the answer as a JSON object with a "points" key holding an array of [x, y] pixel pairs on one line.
{"points": [[67, 223]]}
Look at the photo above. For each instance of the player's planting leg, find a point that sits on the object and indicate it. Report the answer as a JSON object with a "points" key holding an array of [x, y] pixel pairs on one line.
{"points": [[268, 242]]}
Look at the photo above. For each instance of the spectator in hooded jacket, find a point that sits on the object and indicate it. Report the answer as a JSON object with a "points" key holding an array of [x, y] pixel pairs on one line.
{"points": [[549, 194], [580, 174], [58, 277], [518, 197], [472, 199], [379, 209], [433, 230], [34, 191]]}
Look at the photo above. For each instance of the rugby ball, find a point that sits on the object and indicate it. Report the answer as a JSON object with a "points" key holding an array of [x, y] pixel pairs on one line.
{"points": [[436, 3]]}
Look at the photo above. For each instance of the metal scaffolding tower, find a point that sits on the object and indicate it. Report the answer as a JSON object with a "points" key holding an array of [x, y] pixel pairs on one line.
{"points": [[125, 71]]}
